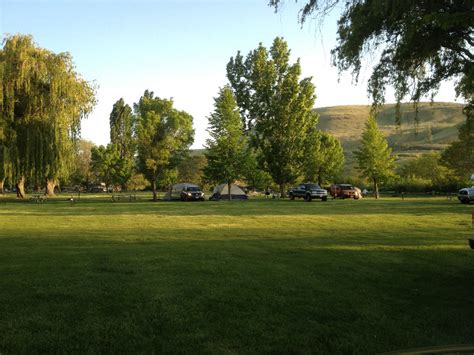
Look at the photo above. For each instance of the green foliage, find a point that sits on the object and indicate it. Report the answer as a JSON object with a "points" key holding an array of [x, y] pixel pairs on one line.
{"points": [[163, 136], [227, 148], [324, 157], [81, 173], [459, 156], [191, 169], [374, 157], [137, 182], [105, 164], [421, 43], [276, 107], [426, 170], [42, 102], [122, 140], [255, 177], [121, 129]]}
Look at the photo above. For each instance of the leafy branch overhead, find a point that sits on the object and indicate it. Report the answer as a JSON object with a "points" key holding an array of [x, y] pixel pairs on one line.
{"points": [[420, 43]]}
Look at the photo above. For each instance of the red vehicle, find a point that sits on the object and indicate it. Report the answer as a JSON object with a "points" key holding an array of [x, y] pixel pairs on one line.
{"points": [[345, 191]]}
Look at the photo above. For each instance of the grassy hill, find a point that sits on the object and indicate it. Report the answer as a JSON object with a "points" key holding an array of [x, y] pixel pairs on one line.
{"points": [[437, 127]]}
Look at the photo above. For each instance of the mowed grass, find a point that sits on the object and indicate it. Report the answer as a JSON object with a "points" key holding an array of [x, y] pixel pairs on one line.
{"points": [[235, 277]]}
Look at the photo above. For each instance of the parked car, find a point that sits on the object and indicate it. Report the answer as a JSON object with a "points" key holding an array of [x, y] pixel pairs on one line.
{"points": [[308, 191], [97, 188], [192, 193], [345, 191], [185, 192], [466, 195]]}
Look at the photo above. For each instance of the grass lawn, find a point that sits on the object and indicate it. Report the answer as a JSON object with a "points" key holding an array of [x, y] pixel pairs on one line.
{"points": [[241, 277]]}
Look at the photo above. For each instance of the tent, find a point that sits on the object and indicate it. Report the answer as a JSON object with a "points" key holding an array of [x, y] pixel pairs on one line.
{"points": [[175, 193], [221, 193]]}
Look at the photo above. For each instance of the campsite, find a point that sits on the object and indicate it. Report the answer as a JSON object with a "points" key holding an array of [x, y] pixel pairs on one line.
{"points": [[261, 275], [236, 177]]}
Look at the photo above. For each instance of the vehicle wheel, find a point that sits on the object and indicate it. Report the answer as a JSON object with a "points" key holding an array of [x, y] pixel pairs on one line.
{"points": [[325, 198], [292, 197], [465, 201], [308, 198]]}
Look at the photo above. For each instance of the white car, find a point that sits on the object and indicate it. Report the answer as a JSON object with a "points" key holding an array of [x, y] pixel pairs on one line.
{"points": [[466, 195]]}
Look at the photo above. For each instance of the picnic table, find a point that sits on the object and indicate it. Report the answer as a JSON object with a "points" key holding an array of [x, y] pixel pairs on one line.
{"points": [[37, 199], [124, 197]]}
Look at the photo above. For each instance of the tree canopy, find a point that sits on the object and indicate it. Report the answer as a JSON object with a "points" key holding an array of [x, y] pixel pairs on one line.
{"points": [[121, 129], [122, 141], [276, 107], [42, 102], [227, 148], [374, 157], [163, 135], [420, 43], [323, 158]]}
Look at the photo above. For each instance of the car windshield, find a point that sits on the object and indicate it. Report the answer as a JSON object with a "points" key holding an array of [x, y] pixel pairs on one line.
{"points": [[192, 189], [312, 187], [347, 187]]}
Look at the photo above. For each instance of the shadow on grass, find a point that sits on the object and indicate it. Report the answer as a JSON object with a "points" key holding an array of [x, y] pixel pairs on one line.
{"points": [[230, 296]]}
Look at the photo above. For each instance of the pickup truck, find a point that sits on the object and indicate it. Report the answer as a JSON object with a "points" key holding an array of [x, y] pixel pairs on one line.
{"points": [[466, 195], [308, 192]]}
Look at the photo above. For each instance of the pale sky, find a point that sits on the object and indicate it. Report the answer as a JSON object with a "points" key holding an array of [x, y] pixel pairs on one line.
{"points": [[178, 49]]}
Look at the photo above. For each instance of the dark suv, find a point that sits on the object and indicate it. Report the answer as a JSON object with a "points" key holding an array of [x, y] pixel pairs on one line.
{"points": [[308, 192], [192, 193]]}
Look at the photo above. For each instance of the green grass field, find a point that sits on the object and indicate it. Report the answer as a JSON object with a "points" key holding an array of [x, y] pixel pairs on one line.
{"points": [[242, 277]]}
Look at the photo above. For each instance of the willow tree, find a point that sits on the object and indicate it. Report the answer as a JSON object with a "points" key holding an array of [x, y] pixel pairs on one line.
{"points": [[5, 163], [163, 135], [42, 102]]}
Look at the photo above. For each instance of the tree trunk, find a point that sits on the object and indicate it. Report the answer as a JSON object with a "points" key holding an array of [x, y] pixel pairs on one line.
{"points": [[229, 195], [376, 189], [2, 181], [153, 186], [319, 179], [20, 187], [283, 190], [50, 185]]}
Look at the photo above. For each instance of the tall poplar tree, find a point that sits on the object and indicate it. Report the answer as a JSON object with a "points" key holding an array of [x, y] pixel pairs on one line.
{"points": [[227, 148], [164, 135], [121, 129], [42, 102], [122, 141], [374, 157], [276, 107]]}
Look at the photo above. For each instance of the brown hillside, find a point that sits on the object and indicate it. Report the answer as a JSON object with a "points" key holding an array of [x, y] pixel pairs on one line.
{"points": [[437, 127]]}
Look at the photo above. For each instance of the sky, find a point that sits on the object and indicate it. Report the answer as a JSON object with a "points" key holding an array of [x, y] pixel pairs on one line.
{"points": [[178, 49]]}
